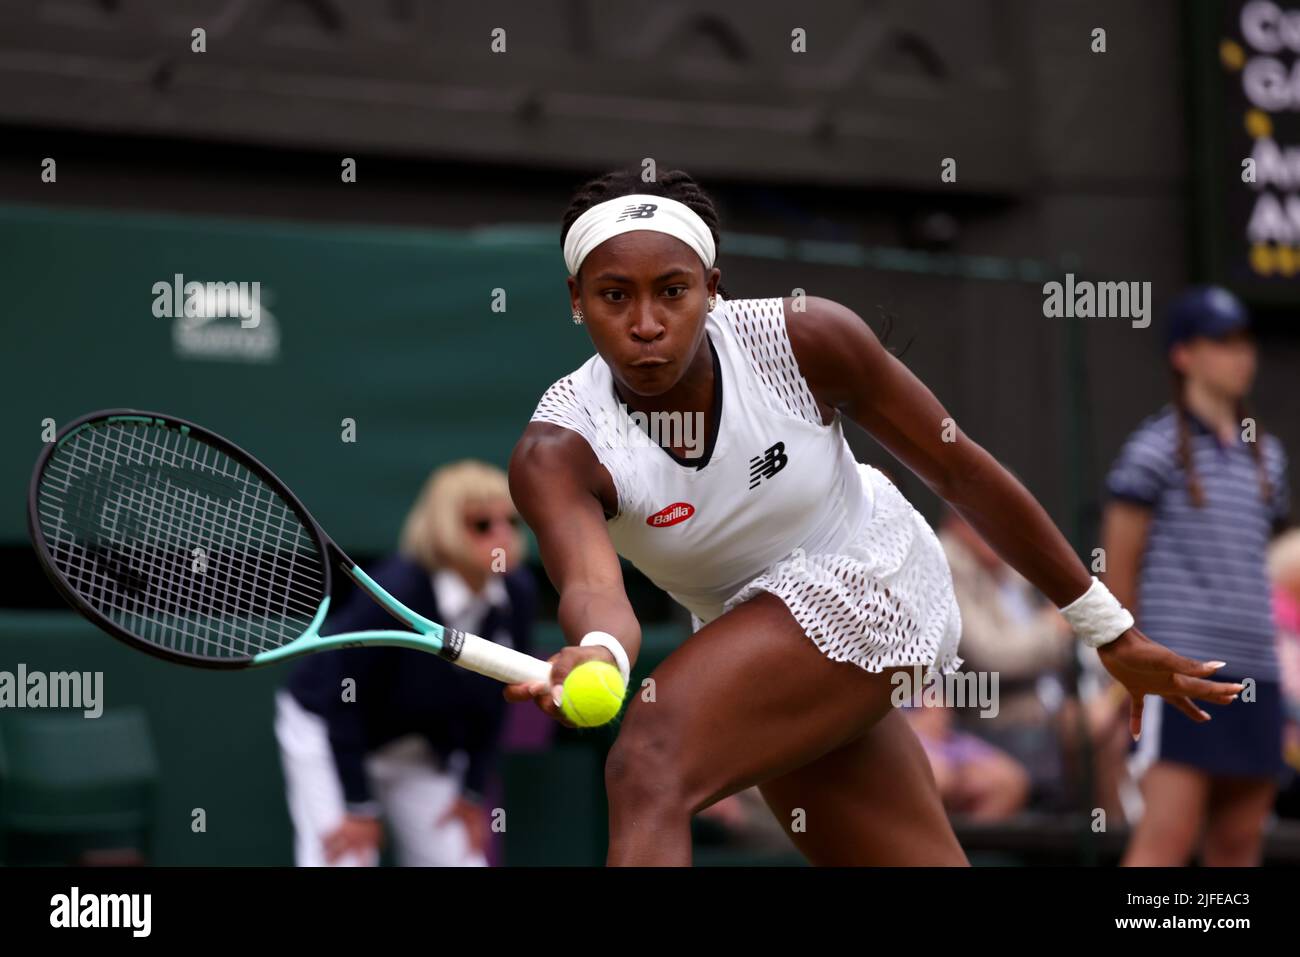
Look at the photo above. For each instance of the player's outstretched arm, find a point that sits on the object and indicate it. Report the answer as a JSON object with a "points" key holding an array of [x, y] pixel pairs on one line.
{"points": [[554, 482], [848, 369]]}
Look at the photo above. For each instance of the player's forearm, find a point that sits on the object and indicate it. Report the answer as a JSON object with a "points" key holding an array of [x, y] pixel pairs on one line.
{"points": [[584, 609], [1017, 527]]}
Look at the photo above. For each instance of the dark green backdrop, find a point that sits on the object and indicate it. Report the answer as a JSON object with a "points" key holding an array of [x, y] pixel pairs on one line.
{"points": [[393, 328]]}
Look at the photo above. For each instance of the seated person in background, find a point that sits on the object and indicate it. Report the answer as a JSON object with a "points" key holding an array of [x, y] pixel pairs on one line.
{"points": [[1104, 704], [391, 734], [976, 780], [1009, 628]]}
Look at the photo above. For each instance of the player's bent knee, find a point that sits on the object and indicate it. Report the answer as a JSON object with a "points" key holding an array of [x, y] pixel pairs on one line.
{"points": [[644, 769]]}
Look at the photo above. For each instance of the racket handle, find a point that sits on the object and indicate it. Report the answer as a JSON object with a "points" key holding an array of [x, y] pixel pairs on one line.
{"points": [[502, 663]]}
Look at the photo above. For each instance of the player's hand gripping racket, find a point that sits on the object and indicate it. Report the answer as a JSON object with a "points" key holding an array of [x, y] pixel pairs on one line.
{"points": [[179, 543]]}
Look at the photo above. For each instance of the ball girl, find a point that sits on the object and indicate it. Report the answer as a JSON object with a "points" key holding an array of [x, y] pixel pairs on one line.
{"points": [[1195, 495]]}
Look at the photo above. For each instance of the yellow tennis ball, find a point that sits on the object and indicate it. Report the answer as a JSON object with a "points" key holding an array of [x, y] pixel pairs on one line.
{"points": [[593, 694]]}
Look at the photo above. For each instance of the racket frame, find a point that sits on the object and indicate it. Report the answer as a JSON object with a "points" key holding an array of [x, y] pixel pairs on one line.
{"points": [[425, 635]]}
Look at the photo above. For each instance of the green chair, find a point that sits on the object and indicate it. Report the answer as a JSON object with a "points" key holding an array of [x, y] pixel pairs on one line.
{"points": [[73, 789]]}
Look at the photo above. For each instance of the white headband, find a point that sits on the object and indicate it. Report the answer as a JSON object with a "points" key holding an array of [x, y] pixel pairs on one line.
{"points": [[637, 211]]}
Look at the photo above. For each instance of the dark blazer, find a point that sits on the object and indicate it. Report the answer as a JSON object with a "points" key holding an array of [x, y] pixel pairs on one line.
{"points": [[400, 691]]}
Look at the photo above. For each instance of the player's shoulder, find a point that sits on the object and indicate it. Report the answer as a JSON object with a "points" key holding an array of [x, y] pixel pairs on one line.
{"points": [[789, 343], [815, 325], [764, 325], [572, 400], [754, 310], [563, 432]]}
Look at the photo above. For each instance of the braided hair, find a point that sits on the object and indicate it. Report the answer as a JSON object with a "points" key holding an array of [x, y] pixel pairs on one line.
{"points": [[672, 183], [1195, 491]]}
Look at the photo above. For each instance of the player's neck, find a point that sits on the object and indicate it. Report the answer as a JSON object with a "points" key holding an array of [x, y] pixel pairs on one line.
{"points": [[692, 393], [689, 403]]}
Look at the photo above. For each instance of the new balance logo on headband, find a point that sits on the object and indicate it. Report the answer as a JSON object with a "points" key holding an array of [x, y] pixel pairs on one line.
{"points": [[639, 211], [768, 464]]}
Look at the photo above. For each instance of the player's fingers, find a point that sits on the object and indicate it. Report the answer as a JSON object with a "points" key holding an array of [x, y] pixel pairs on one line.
{"points": [[1186, 707], [1187, 666], [544, 696], [1220, 692], [547, 702], [1225, 696], [521, 691], [1151, 655], [569, 659], [1135, 716]]}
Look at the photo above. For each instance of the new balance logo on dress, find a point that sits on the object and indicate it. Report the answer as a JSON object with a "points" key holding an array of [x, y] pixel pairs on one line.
{"points": [[768, 464]]}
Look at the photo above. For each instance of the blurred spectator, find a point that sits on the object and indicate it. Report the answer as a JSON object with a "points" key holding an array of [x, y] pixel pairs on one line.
{"points": [[1103, 704], [976, 779], [1008, 628], [374, 735]]}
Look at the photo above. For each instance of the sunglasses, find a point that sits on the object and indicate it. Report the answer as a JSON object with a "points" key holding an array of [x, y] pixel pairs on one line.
{"points": [[481, 526]]}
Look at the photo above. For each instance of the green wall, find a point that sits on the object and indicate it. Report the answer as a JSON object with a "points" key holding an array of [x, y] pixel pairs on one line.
{"points": [[393, 328]]}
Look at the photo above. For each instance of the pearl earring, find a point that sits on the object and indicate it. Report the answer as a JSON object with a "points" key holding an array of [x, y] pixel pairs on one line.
{"points": [[577, 318], [713, 303]]}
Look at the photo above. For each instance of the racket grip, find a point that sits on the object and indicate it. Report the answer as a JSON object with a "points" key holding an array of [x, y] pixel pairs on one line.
{"points": [[502, 663]]}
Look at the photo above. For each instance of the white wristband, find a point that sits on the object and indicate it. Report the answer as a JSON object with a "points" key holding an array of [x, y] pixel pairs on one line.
{"points": [[606, 640], [1096, 616]]}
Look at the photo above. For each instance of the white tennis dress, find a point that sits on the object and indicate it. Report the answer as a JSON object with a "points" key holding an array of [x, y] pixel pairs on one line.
{"points": [[778, 504]]}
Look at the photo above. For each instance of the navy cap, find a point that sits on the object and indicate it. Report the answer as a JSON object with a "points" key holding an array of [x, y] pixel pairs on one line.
{"points": [[1205, 311]]}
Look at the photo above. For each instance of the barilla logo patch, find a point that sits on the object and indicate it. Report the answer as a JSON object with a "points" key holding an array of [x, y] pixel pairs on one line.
{"points": [[674, 513]]}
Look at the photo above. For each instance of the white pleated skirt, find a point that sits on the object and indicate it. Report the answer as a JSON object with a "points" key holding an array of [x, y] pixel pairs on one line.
{"points": [[881, 600]]}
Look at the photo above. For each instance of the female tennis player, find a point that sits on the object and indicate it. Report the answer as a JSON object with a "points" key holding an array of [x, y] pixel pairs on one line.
{"points": [[809, 578]]}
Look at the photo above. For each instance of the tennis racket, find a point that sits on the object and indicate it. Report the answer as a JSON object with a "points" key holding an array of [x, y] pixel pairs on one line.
{"points": [[182, 545]]}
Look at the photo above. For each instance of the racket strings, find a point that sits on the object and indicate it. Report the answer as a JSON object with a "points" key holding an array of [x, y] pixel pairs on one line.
{"points": [[162, 565], [195, 511], [230, 592], [176, 542]]}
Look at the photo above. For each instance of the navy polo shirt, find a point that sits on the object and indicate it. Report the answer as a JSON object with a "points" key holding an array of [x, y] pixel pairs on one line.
{"points": [[1203, 588]]}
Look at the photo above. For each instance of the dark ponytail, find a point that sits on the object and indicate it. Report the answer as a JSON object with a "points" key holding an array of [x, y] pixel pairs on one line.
{"points": [[1185, 459], [1195, 491], [1257, 450]]}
